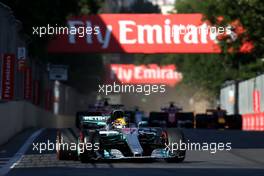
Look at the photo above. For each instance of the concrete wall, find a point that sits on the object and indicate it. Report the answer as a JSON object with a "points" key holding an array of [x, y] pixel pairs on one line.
{"points": [[67, 100], [19, 115]]}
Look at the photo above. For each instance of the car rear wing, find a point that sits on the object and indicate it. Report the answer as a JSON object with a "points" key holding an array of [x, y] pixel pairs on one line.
{"points": [[165, 119]]}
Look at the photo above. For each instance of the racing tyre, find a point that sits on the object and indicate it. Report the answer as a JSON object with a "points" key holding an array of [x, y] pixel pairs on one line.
{"points": [[175, 136], [64, 138], [87, 156], [61, 154]]}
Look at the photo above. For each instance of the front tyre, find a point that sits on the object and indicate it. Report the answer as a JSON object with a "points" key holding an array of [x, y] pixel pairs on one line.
{"points": [[85, 155], [175, 136], [61, 153]]}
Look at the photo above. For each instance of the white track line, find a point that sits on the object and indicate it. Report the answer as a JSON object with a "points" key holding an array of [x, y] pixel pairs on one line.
{"points": [[12, 162]]}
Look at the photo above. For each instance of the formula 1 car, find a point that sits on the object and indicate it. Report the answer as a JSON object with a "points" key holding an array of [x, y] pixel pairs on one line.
{"points": [[218, 119], [172, 116], [109, 137]]}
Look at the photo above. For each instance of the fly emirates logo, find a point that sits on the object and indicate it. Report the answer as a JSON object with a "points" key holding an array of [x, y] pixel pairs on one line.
{"points": [[145, 74], [129, 32]]}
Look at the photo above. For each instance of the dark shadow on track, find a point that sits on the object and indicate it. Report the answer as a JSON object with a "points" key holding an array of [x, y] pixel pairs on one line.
{"points": [[137, 172]]}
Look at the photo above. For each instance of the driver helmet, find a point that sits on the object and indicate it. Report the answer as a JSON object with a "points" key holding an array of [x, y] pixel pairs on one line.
{"points": [[118, 119]]}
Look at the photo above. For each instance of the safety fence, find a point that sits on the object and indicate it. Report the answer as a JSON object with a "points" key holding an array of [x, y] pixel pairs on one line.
{"points": [[245, 98]]}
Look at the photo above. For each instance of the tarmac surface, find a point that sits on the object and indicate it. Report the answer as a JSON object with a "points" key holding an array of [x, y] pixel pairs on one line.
{"points": [[245, 158]]}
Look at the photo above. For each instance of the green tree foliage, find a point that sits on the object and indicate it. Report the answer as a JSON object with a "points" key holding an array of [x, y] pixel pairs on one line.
{"points": [[233, 65], [141, 6], [210, 71], [190, 6], [250, 13]]}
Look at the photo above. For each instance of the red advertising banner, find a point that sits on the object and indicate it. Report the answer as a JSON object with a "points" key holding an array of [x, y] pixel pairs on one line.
{"points": [[253, 122], [8, 76], [136, 33], [144, 74], [256, 101], [28, 84]]}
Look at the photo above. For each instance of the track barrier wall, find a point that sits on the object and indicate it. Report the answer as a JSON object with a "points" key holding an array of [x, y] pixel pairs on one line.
{"points": [[250, 102], [16, 116]]}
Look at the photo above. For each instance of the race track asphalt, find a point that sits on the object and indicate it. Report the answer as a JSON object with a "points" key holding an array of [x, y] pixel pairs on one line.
{"points": [[245, 158]]}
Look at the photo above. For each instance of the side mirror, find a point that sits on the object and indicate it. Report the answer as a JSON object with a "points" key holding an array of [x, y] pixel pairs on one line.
{"points": [[142, 124]]}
